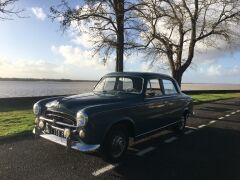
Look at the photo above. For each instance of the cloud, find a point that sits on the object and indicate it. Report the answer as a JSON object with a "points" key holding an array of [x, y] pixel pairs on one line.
{"points": [[219, 70], [81, 58], [83, 40], [39, 13], [214, 70], [23, 68]]}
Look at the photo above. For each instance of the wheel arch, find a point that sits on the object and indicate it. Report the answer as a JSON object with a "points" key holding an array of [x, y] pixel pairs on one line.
{"points": [[125, 122], [186, 112]]}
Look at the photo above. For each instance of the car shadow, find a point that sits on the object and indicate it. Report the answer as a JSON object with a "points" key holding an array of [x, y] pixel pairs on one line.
{"points": [[209, 153]]}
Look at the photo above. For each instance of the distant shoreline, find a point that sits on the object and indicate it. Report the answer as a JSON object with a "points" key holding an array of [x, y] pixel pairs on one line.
{"points": [[36, 79], [71, 80]]}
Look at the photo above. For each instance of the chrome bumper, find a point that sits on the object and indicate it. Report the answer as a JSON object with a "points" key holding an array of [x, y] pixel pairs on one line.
{"points": [[73, 144]]}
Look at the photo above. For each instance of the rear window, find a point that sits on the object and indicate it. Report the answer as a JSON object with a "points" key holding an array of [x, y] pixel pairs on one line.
{"points": [[169, 87]]}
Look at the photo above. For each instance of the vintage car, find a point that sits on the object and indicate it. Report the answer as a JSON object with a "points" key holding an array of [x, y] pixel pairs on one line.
{"points": [[121, 106]]}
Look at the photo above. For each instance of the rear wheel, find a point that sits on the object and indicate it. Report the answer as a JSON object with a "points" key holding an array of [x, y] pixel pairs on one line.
{"points": [[180, 127], [116, 143]]}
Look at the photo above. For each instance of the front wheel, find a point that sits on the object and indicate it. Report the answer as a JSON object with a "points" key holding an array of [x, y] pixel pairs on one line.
{"points": [[115, 145]]}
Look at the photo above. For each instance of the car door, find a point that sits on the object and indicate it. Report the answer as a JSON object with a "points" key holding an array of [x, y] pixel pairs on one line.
{"points": [[154, 105], [172, 100]]}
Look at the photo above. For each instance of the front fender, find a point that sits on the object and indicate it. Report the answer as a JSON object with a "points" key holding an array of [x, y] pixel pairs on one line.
{"points": [[102, 119]]}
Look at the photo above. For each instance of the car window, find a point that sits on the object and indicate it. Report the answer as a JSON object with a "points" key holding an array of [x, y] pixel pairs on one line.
{"points": [[153, 88], [127, 83], [169, 87], [106, 84], [120, 84]]}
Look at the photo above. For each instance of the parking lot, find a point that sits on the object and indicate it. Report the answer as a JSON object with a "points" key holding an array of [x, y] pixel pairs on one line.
{"points": [[209, 149]]}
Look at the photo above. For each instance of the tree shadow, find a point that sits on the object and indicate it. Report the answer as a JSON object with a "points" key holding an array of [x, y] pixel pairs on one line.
{"points": [[214, 109]]}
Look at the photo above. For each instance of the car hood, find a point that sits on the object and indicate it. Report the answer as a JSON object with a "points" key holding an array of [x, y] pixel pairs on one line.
{"points": [[74, 103]]}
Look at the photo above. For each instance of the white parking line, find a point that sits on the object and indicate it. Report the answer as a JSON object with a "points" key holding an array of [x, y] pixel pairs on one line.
{"points": [[190, 127], [144, 151], [227, 115], [104, 169], [221, 118], [189, 132], [233, 113], [201, 126], [170, 139], [211, 122]]}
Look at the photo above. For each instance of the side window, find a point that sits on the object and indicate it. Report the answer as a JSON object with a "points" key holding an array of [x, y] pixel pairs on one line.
{"points": [[153, 88], [169, 87], [127, 83]]}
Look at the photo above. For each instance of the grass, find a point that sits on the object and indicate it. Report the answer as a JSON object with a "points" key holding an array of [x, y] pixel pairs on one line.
{"points": [[16, 122], [16, 115], [203, 98]]}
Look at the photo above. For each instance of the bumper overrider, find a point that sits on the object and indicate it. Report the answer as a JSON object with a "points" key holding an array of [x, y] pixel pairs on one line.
{"points": [[67, 142]]}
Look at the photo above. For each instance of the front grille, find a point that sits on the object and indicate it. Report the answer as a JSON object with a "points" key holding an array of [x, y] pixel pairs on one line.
{"points": [[60, 117]]}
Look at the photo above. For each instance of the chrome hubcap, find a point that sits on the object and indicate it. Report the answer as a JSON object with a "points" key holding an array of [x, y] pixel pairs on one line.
{"points": [[182, 122], [118, 146]]}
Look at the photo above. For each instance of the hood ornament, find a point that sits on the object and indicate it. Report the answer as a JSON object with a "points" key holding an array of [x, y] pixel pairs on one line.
{"points": [[54, 103]]}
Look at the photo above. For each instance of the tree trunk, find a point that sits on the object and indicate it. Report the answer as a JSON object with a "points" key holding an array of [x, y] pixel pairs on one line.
{"points": [[120, 34], [177, 75]]}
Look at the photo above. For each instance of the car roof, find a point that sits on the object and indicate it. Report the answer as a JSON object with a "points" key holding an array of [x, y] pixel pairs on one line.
{"points": [[140, 74]]}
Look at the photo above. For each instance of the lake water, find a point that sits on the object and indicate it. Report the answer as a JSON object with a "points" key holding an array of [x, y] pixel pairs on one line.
{"points": [[46, 88]]}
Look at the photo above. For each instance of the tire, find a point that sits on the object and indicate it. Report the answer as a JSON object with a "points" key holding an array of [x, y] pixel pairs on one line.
{"points": [[180, 127], [116, 144]]}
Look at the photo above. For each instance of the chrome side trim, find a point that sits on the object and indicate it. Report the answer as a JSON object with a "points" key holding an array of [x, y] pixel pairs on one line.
{"points": [[162, 96], [74, 144], [60, 123], [156, 129]]}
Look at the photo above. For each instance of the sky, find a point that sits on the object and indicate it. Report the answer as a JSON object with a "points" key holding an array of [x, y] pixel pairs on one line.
{"points": [[36, 47]]}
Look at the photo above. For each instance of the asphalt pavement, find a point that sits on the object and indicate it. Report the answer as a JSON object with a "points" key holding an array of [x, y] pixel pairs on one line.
{"points": [[209, 149]]}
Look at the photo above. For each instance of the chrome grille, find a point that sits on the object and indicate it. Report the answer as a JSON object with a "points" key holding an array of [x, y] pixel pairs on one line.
{"points": [[61, 118]]}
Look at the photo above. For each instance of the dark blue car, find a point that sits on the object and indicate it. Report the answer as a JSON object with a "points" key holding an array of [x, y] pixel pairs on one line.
{"points": [[121, 106]]}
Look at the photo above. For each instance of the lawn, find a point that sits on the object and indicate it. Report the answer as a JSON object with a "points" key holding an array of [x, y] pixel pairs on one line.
{"points": [[203, 98], [16, 115]]}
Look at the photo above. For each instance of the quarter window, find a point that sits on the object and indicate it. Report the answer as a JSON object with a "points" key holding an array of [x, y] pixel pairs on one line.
{"points": [[169, 87]]}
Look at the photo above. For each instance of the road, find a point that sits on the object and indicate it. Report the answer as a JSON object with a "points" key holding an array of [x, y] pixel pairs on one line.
{"points": [[209, 149]]}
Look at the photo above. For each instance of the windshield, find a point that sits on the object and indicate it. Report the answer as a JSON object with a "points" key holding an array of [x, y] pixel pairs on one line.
{"points": [[120, 84]]}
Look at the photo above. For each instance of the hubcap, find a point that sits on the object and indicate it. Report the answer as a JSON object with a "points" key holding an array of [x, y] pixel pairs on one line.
{"points": [[182, 122], [118, 146]]}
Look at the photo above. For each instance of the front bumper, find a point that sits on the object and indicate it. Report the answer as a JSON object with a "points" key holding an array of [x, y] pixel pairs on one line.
{"points": [[80, 146]]}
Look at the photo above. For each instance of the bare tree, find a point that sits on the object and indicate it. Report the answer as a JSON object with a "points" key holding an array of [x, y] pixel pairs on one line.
{"points": [[110, 23], [176, 27], [8, 9]]}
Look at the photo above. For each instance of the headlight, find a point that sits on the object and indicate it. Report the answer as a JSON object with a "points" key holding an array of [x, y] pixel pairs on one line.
{"points": [[82, 119], [36, 109]]}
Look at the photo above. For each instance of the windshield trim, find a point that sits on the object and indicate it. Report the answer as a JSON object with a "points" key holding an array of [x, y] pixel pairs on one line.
{"points": [[126, 77]]}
